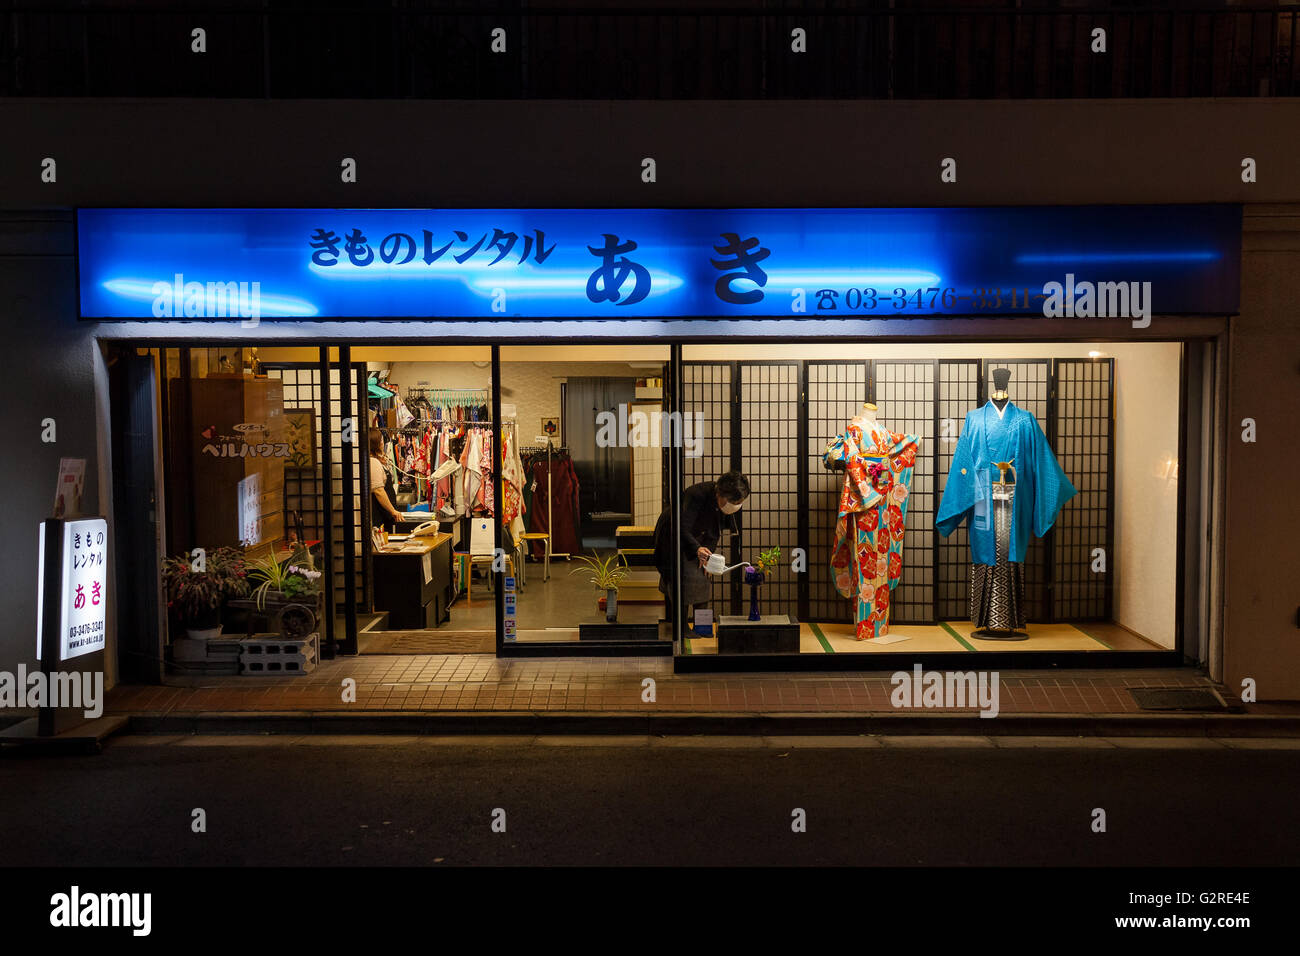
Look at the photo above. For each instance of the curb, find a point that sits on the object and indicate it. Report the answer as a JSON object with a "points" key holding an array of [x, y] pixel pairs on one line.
{"points": [[726, 724]]}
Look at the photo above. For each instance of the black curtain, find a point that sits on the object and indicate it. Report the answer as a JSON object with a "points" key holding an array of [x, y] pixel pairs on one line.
{"points": [[604, 474]]}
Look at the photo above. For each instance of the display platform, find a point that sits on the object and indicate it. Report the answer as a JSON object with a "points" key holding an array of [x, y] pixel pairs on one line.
{"points": [[603, 630], [770, 634], [945, 637]]}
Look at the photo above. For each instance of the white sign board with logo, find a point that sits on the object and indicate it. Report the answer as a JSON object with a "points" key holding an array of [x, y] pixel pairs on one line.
{"points": [[83, 603]]}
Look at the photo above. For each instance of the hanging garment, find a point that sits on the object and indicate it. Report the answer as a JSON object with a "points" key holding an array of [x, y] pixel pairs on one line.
{"points": [[445, 494], [1041, 489], [867, 561], [527, 487], [512, 485], [557, 487], [404, 415], [486, 501]]}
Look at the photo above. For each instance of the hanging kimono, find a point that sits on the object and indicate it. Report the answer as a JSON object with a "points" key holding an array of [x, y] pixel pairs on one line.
{"points": [[471, 473], [512, 485], [868, 558], [445, 495], [487, 490], [1001, 516]]}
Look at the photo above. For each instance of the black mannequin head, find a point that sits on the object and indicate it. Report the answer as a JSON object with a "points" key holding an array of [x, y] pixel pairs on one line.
{"points": [[1001, 378]]}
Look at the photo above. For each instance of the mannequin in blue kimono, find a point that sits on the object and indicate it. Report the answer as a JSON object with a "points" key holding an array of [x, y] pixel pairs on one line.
{"points": [[1000, 441]]}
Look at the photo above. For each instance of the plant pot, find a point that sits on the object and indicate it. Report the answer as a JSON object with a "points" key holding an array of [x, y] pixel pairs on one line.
{"points": [[754, 577], [611, 604], [203, 626]]}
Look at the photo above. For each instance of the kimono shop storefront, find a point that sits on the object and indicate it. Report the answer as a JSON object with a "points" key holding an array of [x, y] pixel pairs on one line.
{"points": [[751, 439]]}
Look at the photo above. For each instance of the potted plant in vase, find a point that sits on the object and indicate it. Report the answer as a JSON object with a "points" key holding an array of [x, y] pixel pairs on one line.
{"points": [[196, 590], [756, 574], [606, 575]]}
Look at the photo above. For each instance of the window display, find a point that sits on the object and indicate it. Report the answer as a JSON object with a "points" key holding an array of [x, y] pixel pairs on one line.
{"points": [[946, 494]]}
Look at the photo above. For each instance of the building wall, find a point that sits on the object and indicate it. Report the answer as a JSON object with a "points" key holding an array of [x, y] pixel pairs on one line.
{"points": [[50, 372], [1261, 639]]}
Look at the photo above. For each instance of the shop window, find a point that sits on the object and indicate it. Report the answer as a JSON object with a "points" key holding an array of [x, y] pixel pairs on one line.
{"points": [[1101, 577]]}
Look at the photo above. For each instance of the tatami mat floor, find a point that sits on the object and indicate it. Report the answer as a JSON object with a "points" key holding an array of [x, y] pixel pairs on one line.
{"points": [[953, 636]]}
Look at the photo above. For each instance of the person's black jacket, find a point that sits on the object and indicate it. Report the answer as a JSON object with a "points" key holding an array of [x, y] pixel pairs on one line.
{"points": [[701, 526]]}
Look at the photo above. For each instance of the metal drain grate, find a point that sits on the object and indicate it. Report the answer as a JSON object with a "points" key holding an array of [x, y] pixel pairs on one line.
{"points": [[1176, 698]]}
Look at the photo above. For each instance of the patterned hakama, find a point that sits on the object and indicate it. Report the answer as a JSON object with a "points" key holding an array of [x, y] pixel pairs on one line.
{"points": [[997, 591]]}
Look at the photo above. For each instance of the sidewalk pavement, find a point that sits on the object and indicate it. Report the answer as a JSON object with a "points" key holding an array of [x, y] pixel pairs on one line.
{"points": [[475, 693]]}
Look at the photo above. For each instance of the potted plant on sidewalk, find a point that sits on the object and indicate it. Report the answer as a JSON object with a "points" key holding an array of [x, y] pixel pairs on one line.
{"points": [[756, 574], [287, 590], [276, 581], [197, 587], [606, 575]]}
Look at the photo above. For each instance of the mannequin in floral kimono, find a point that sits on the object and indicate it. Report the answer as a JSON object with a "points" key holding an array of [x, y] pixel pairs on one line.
{"points": [[868, 558], [999, 442]]}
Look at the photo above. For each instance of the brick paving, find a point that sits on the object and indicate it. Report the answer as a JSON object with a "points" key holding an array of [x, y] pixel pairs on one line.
{"points": [[474, 683]]}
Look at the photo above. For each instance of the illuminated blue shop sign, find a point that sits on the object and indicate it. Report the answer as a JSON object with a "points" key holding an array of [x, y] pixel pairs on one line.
{"points": [[647, 263]]}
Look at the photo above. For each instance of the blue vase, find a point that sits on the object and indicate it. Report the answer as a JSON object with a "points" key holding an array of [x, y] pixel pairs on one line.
{"points": [[754, 577]]}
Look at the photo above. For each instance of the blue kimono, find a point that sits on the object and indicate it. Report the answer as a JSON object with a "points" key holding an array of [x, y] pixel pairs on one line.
{"points": [[1041, 486]]}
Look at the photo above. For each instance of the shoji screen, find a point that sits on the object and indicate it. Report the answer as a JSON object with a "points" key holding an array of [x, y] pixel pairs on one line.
{"points": [[304, 491], [905, 393], [1085, 447], [706, 392], [836, 391], [769, 458], [959, 392]]}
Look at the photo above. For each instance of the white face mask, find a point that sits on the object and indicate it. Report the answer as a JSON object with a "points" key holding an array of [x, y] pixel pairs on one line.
{"points": [[731, 507]]}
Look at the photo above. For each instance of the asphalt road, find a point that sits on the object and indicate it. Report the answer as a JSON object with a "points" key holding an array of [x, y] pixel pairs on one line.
{"points": [[691, 801]]}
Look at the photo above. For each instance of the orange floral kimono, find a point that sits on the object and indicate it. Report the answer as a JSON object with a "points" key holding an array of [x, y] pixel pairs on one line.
{"points": [[868, 556]]}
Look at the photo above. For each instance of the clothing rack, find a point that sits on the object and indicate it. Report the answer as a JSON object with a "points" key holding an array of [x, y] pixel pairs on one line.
{"points": [[426, 422], [550, 448], [449, 396]]}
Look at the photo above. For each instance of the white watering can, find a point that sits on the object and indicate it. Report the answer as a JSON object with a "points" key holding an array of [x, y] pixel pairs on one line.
{"points": [[717, 564]]}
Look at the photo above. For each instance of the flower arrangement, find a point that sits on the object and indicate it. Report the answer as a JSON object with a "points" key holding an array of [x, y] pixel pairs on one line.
{"points": [[767, 559], [291, 579], [196, 591]]}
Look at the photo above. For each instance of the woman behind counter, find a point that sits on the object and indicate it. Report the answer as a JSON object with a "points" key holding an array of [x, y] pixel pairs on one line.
{"points": [[383, 512], [703, 506]]}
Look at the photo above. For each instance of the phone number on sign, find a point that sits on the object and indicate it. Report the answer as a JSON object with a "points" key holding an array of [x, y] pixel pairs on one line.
{"points": [[931, 299]]}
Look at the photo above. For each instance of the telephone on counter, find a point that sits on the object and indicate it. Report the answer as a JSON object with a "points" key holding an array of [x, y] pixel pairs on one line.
{"points": [[429, 527]]}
